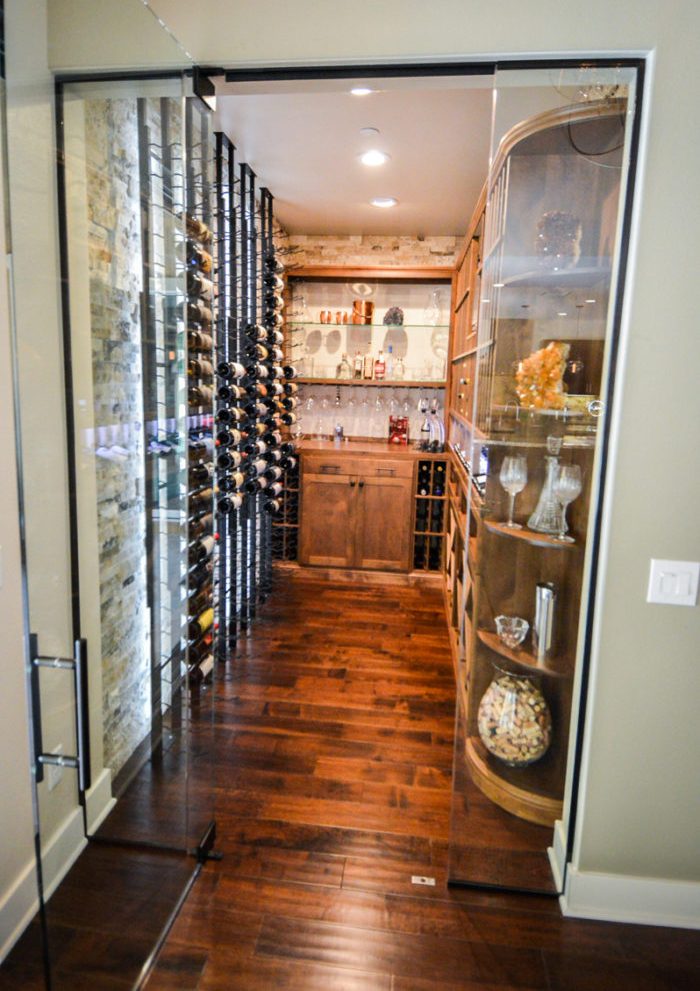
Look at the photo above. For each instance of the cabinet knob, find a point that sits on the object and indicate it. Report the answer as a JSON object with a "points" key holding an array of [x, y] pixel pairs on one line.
{"points": [[361, 484], [352, 483]]}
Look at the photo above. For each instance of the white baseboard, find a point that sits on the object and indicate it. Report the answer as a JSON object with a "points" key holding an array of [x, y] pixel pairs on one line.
{"points": [[99, 801], [645, 900], [22, 901], [557, 854]]}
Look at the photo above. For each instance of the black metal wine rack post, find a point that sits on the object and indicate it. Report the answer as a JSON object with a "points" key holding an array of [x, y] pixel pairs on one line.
{"points": [[200, 321], [254, 401]]}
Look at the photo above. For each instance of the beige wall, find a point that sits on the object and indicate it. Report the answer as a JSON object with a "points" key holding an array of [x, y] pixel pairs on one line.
{"points": [[640, 800]]}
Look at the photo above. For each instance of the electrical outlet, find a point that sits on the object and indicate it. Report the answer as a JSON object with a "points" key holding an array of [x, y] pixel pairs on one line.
{"points": [[54, 772]]}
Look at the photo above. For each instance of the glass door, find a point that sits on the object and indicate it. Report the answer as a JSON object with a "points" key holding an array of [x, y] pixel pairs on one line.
{"points": [[545, 284], [101, 203]]}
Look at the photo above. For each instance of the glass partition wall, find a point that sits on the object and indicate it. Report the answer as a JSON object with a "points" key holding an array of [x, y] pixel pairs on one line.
{"points": [[121, 717], [537, 377]]}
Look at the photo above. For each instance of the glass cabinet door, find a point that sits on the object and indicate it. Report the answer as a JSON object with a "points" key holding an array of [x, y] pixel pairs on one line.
{"points": [[546, 287]]}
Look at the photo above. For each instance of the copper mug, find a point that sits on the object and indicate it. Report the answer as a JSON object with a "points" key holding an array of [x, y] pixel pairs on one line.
{"points": [[362, 310]]}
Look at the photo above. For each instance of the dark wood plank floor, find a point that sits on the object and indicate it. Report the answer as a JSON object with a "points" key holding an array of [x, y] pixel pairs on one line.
{"points": [[334, 754]]}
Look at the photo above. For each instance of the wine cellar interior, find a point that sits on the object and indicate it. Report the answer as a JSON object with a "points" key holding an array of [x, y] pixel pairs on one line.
{"points": [[338, 355]]}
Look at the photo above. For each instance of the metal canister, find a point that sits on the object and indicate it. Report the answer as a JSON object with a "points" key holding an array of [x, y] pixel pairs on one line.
{"points": [[543, 626]]}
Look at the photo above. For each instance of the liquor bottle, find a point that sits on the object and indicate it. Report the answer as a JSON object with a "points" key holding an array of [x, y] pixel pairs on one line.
{"points": [[399, 372], [230, 502], [390, 363], [201, 549], [196, 627], [198, 257], [228, 459], [200, 395], [197, 228], [201, 446], [199, 368], [357, 366], [197, 341], [200, 474], [344, 370], [227, 438], [272, 505], [256, 332], [380, 367], [201, 526], [290, 371], [368, 366], [230, 370], [198, 285], [198, 312]]}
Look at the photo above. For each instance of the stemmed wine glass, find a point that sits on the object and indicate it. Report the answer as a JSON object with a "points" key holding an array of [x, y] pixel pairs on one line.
{"points": [[513, 478], [567, 486]]}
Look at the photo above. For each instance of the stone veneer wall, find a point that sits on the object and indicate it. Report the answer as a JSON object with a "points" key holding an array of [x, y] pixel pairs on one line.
{"points": [[367, 249], [114, 242]]}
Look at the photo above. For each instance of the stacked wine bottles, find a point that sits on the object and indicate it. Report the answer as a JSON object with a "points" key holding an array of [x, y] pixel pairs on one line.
{"points": [[430, 515], [201, 489]]}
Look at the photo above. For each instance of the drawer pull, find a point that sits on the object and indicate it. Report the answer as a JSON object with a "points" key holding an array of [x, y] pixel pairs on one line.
{"points": [[386, 471], [361, 484], [329, 469]]}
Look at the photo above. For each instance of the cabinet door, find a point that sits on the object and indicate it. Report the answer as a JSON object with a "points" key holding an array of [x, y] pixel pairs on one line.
{"points": [[328, 520], [383, 532]]}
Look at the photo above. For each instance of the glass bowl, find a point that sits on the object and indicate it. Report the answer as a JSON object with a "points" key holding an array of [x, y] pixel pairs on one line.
{"points": [[512, 630]]}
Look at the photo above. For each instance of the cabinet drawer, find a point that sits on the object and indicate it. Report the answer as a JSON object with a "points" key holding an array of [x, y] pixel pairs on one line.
{"points": [[400, 468], [330, 464]]}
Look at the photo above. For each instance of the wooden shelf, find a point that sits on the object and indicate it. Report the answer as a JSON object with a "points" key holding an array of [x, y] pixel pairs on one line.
{"points": [[521, 802], [528, 536], [494, 643], [389, 383], [435, 497]]}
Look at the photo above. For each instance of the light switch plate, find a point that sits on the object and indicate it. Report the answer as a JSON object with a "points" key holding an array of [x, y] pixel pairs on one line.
{"points": [[673, 583]]}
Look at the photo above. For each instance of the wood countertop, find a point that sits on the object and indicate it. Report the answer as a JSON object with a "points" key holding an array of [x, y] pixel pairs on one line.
{"points": [[374, 448]]}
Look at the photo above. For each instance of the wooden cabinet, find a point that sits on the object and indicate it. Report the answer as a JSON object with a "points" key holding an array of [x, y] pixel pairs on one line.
{"points": [[356, 513]]}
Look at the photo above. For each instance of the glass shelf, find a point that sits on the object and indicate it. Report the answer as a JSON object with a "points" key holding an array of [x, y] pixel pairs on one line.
{"points": [[384, 326], [392, 383]]}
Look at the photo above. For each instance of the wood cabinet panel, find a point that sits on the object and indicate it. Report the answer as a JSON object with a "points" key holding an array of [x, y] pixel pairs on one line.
{"points": [[327, 531], [383, 526]]}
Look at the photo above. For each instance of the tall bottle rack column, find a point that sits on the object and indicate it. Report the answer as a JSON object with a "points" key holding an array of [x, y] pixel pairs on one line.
{"points": [[253, 396], [200, 308]]}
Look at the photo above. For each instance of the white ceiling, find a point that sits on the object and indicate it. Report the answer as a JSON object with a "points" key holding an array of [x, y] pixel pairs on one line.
{"points": [[302, 140]]}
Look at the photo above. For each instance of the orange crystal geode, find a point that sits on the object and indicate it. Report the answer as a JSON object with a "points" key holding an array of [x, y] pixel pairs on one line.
{"points": [[539, 378]]}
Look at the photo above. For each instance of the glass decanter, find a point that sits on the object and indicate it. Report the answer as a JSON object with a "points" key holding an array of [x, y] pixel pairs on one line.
{"points": [[399, 372], [344, 370], [547, 515], [431, 313]]}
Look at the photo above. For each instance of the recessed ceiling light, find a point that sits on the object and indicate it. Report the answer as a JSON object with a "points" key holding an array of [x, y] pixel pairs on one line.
{"points": [[384, 201], [562, 314], [589, 301], [361, 91], [369, 132], [374, 157], [498, 285]]}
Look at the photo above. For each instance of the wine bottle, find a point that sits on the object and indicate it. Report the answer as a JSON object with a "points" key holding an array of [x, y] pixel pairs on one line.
{"points": [[200, 395], [275, 337], [197, 228], [289, 463], [227, 438], [263, 389], [255, 447], [228, 393], [290, 371], [228, 459], [258, 371], [196, 627], [198, 285], [201, 549], [230, 483], [276, 354], [201, 446], [275, 489], [197, 341], [200, 474], [273, 281], [276, 388], [290, 388], [288, 418], [254, 485], [200, 575], [273, 473], [289, 402], [200, 601], [230, 502], [200, 368], [198, 257], [198, 673], [257, 467], [276, 372], [274, 456], [257, 351], [256, 332], [201, 526], [230, 370], [198, 312], [288, 447], [272, 505], [273, 264], [273, 318], [271, 437], [231, 414], [199, 651], [201, 498]]}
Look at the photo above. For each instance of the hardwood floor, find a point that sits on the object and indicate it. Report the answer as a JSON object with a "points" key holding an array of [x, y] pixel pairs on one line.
{"points": [[334, 753]]}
